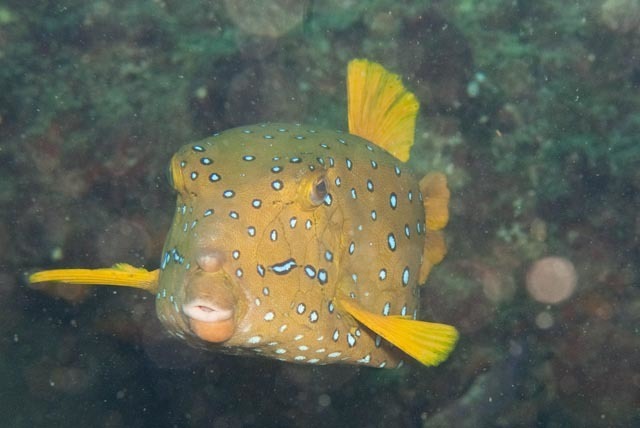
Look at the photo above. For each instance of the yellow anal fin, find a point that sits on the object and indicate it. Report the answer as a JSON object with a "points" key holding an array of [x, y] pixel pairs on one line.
{"points": [[380, 109], [120, 274], [429, 343]]}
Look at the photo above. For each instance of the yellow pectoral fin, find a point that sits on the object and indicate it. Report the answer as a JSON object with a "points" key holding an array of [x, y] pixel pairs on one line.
{"points": [[380, 109], [120, 274], [429, 343]]}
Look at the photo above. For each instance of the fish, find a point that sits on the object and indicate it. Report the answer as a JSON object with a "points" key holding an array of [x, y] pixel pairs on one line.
{"points": [[302, 244]]}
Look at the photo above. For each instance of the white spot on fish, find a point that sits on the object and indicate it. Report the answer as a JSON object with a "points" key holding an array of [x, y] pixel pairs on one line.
{"points": [[391, 240], [351, 340], [365, 360], [405, 276], [393, 200]]}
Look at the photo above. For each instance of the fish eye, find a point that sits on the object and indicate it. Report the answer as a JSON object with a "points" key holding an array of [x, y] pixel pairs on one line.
{"points": [[318, 191], [313, 190]]}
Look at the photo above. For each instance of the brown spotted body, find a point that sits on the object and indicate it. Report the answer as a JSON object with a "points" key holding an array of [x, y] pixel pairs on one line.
{"points": [[242, 197]]}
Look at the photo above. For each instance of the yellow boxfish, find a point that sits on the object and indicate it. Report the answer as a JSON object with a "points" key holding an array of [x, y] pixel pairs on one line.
{"points": [[302, 244]]}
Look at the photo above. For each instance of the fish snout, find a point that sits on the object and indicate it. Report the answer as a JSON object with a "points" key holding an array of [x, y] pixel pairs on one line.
{"points": [[210, 260], [210, 307]]}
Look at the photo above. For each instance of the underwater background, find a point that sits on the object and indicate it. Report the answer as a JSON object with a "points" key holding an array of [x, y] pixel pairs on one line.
{"points": [[531, 108]]}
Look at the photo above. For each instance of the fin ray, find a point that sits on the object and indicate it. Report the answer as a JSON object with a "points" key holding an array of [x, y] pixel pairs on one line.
{"points": [[436, 200], [429, 343], [436, 197], [120, 274], [380, 109], [435, 248]]}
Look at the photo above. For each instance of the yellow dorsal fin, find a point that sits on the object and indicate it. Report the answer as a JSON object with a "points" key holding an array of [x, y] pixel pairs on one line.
{"points": [[381, 110], [429, 343], [120, 274]]}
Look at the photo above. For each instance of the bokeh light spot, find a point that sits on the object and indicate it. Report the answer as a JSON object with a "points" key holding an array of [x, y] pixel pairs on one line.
{"points": [[551, 280]]}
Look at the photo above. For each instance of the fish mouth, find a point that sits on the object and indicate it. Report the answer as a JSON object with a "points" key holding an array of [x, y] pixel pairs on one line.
{"points": [[209, 321], [206, 311], [210, 307]]}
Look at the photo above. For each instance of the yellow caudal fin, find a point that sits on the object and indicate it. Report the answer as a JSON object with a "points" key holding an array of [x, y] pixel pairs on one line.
{"points": [[120, 274], [381, 110], [435, 194], [434, 251], [429, 343]]}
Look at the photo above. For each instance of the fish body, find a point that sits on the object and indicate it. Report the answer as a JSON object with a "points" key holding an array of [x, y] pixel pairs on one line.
{"points": [[301, 244], [247, 195]]}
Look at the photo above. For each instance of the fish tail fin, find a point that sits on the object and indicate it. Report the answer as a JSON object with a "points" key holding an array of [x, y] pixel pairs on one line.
{"points": [[120, 274], [380, 109], [436, 206], [429, 343], [434, 251], [436, 200]]}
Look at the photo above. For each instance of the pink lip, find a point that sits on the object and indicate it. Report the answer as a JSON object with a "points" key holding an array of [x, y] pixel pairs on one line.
{"points": [[202, 310], [209, 321]]}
